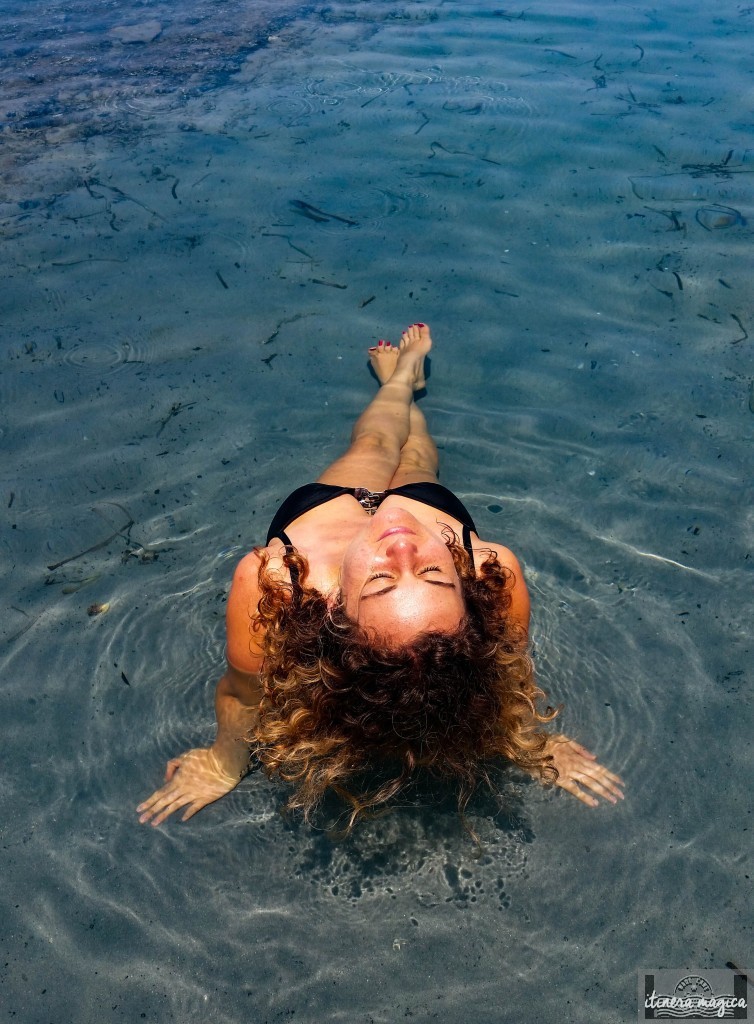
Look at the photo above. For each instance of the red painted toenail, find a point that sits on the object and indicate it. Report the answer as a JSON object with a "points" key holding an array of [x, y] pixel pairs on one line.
{"points": [[421, 325]]}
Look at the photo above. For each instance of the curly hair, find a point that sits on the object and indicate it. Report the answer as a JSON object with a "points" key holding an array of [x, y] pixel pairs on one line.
{"points": [[338, 701]]}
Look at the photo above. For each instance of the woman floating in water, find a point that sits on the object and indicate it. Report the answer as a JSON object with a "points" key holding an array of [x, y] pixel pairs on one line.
{"points": [[366, 632]]}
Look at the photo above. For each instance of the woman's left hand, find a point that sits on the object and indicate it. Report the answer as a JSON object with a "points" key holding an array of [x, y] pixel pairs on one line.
{"points": [[580, 774]]}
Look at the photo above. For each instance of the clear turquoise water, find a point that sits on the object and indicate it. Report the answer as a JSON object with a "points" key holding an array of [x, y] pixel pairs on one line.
{"points": [[564, 192]]}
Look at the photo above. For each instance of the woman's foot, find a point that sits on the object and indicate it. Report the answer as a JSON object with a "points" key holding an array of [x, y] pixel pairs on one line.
{"points": [[384, 357], [409, 356]]}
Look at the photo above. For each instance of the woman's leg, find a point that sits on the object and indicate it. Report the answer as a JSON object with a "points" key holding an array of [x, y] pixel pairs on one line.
{"points": [[384, 427], [418, 458], [419, 462]]}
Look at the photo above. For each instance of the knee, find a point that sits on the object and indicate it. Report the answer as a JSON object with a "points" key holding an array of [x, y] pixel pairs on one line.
{"points": [[373, 442], [419, 454]]}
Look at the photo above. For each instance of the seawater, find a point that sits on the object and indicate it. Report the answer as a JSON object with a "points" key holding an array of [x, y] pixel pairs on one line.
{"points": [[208, 212]]}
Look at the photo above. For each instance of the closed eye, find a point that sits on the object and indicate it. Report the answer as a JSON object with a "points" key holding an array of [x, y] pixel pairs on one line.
{"points": [[387, 589], [386, 575]]}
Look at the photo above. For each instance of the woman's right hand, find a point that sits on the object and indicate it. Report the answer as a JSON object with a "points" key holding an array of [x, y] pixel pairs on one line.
{"points": [[192, 780]]}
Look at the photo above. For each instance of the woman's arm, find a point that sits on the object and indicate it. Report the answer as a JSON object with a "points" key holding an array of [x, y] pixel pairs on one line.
{"points": [[236, 707], [579, 772], [205, 774]]}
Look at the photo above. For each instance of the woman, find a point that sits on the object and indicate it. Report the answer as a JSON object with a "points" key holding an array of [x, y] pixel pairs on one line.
{"points": [[376, 627]]}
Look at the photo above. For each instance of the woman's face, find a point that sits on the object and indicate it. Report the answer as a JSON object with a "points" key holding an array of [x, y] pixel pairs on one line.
{"points": [[398, 578]]}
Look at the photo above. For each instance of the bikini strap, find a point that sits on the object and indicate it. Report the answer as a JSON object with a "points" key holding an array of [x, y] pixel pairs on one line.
{"points": [[466, 537], [289, 549]]}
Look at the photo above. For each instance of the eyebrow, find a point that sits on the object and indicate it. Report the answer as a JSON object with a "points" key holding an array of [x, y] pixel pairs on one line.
{"points": [[386, 590]]}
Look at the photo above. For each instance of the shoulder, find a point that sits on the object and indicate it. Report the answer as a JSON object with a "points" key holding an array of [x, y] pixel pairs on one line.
{"points": [[520, 607], [243, 643], [504, 555], [247, 571]]}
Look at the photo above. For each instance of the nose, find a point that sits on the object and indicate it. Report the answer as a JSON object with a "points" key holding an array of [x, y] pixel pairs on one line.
{"points": [[402, 548]]}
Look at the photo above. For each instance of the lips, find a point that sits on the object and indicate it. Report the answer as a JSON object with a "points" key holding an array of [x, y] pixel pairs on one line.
{"points": [[394, 530]]}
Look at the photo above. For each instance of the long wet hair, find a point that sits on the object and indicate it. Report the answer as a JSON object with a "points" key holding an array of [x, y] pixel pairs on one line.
{"points": [[338, 701]]}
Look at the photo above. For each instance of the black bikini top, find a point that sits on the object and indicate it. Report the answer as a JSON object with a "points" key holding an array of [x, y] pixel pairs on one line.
{"points": [[312, 495]]}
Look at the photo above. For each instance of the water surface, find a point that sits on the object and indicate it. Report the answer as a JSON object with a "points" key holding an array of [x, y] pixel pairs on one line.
{"points": [[564, 192]]}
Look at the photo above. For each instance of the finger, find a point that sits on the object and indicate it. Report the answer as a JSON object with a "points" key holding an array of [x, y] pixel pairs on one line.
{"points": [[148, 804], [150, 808], [147, 813], [168, 810], [599, 771], [162, 799], [613, 783], [597, 787], [570, 787], [606, 772], [598, 784], [192, 809]]}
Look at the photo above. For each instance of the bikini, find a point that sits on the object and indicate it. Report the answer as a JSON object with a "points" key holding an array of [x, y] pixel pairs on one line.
{"points": [[310, 496]]}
